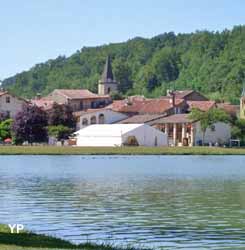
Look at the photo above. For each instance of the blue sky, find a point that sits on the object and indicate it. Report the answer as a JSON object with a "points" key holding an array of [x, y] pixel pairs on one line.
{"points": [[33, 31]]}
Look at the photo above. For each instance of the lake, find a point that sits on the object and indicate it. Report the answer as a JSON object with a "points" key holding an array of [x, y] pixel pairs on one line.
{"points": [[162, 202]]}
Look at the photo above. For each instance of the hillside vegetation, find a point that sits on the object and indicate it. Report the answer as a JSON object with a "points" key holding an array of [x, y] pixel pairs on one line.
{"points": [[210, 62]]}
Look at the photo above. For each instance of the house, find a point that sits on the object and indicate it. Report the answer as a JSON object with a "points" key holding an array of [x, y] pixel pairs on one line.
{"points": [[10, 104], [97, 116], [82, 99], [182, 131], [79, 99], [115, 135]]}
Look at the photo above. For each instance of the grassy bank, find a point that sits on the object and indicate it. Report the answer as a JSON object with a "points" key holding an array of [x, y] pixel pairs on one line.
{"points": [[31, 241], [50, 150]]}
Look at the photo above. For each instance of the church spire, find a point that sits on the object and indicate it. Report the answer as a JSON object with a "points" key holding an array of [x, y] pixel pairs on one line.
{"points": [[107, 74], [107, 83]]}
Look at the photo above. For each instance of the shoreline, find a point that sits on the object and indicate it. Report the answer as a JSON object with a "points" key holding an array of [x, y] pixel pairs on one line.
{"points": [[31, 241], [55, 150]]}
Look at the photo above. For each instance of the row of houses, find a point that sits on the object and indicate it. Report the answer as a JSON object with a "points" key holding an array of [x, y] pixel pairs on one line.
{"points": [[97, 113]]}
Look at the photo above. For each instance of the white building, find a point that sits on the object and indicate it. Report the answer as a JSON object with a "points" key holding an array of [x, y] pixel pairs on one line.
{"points": [[113, 135], [97, 116], [183, 131], [10, 105]]}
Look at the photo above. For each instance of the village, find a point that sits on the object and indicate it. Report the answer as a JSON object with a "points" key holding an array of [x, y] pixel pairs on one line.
{"points": [[100, 121]]}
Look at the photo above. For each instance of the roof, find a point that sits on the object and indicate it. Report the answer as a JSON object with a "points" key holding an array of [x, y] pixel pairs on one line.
{"points": [[90, 111], [144, 106], [229, 108], [177, 118], [78, 94], [107, 129], [44, 103], [202, 105], [141, 118], [182, 93], [3, 93], [107, 74]]}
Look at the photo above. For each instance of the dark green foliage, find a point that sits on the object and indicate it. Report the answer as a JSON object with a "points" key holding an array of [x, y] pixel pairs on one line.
{"points": [[238, 130], [210, 62]]}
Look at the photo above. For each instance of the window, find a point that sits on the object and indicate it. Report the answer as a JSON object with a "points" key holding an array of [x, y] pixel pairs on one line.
{"points": [[85, 122], [7, 99], [93, 120], [109, 90], [101, 119]]}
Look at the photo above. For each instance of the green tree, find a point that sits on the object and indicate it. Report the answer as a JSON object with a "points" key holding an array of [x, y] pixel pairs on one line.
{"points": [[123, 75], [208, 118], [5, 129], [59, 132]]}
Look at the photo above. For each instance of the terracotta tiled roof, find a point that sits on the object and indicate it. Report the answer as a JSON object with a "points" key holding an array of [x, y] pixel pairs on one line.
{"points": [[141, 118], [177, 118], [144, 106], [78, 94], [44, 103], [202, 105], [229, 108]]}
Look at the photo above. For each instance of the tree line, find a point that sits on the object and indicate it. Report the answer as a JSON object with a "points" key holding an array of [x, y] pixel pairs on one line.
{"points": [[210, 62]]}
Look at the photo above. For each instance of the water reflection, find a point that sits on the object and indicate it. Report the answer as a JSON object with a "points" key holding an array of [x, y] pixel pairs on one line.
{"points": [[164, 202]]}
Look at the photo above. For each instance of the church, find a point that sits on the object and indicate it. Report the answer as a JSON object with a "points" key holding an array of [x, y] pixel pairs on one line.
{"points": [[82, 99]]}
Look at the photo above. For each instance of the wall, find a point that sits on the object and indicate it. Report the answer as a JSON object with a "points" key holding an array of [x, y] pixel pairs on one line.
{"points": [[221, 134], [103, 88], [146, 135], [242, 107], [110, 117], [13, 107]]}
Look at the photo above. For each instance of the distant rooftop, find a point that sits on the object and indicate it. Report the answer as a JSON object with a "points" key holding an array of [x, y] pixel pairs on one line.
{"points": [[77, 93]]}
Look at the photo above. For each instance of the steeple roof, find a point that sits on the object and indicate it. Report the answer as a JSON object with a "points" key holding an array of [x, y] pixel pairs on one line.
{"points": [[107, 74]]}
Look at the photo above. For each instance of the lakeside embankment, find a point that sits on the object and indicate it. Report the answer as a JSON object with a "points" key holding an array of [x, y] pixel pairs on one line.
{"points": [[31, 241], [54, 150]]}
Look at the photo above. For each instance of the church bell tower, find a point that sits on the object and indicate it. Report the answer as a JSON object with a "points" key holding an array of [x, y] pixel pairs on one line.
{"points": [[107, 83], [242, 103]]}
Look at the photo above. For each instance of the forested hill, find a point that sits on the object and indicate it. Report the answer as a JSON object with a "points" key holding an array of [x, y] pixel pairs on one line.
{"points": [[211, 62]]}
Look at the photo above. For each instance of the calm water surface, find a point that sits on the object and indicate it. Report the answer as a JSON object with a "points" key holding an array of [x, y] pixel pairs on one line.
{"points": [[163, 202]]}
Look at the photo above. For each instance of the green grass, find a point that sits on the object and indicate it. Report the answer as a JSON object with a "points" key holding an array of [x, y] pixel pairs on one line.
{"points": [[31, 241], [51, 150]]}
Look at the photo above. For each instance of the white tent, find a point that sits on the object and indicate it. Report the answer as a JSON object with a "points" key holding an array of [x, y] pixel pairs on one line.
{"points": [[112, 135]]}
